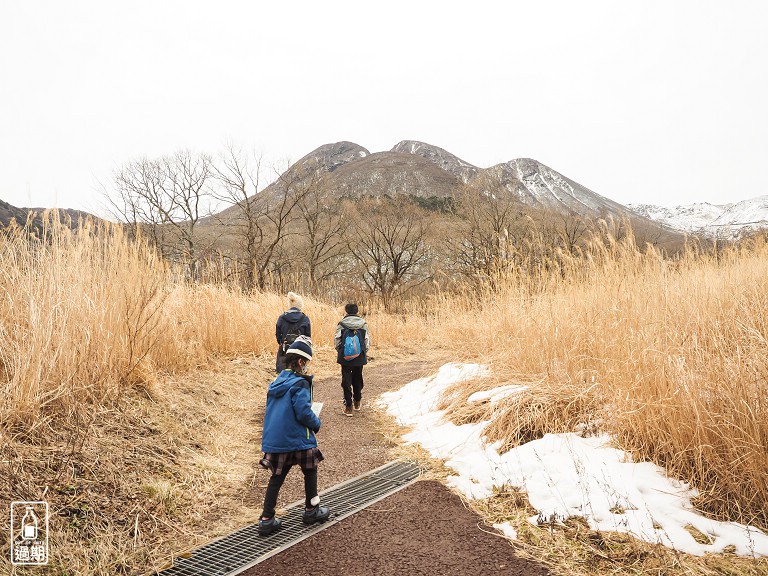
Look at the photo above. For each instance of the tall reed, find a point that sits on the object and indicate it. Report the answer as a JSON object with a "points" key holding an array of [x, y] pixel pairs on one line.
{"points": [[669, 354], [86, 312], [80, 311]]}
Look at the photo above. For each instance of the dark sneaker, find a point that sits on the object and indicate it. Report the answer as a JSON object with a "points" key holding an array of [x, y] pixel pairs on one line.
{"points": [[357, 405], [316, 514], [266, 527], [347, 410]]}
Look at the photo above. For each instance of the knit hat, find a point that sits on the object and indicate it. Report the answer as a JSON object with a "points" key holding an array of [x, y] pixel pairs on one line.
{"points": [[351, 309], [301, 346], [295, 301]]}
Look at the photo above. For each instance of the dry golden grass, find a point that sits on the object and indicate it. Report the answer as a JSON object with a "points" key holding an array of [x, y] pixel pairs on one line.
{"points": [[150, 479], [84, 314], [667, 355], [572, 549], [78, 314]]}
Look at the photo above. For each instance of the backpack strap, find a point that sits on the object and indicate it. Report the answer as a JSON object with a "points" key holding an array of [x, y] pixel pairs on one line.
{"points": [[288, 326]]}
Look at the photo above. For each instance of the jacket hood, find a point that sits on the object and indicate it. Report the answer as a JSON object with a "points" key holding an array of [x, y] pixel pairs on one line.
{"points": [[352, 322], [293, 315], [283, 383]]}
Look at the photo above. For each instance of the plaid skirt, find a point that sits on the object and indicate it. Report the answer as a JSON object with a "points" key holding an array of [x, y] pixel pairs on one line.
{"points": [[282, 461]]}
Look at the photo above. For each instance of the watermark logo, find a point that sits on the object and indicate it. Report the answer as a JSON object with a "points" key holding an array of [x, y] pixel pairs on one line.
{"points": [[29, 533]]}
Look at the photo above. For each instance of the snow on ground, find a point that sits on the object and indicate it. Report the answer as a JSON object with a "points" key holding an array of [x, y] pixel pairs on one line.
{"points": [[564, 475]]}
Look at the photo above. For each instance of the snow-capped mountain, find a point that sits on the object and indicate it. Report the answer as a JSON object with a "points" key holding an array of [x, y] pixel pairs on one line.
{"points": [[527, 180], [690, 218], [447, 161], [428, 173], [711, 220], [331, 156], [539, 186]]}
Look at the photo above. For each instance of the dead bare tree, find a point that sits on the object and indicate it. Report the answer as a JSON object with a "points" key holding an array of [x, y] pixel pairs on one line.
{"points": [[238, 177], [260, 220], [321, 241], [165, 199], [571, 231], [493, 230], [136, 188], [387, 238]]}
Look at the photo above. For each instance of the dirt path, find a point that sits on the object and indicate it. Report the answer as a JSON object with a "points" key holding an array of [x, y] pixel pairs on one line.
{"points": [[423, 529]]}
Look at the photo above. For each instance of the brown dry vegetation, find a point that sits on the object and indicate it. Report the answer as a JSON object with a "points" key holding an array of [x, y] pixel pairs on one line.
{"points": [[106, 357], [669, 356]]}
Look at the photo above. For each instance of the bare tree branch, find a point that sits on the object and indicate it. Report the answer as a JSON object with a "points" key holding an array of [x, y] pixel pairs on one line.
{"points": [[165, 200]]}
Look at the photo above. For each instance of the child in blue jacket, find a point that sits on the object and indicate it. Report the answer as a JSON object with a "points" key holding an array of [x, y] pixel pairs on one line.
{"points": [[288, 437]]}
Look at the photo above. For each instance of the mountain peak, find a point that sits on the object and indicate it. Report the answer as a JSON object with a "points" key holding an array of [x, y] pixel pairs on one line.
{"points": [[331, 156], [447, 161]]}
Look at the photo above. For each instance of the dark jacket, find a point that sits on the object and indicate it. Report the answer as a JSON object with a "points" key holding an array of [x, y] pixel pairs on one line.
{"points": [[352, 322], [293, 320], [289, 423]]}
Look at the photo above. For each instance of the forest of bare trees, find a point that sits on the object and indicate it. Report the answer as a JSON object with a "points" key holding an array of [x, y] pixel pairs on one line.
{"points": [[213, 218]]}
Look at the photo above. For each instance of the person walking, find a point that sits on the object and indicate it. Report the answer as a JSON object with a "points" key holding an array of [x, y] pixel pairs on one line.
{"points": [[290, 324], [288, 437], [352, 343]]}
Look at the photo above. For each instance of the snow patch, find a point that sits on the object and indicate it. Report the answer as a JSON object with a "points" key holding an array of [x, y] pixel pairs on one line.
{"points": [[496, 394], [506, 529], [564, 475]]}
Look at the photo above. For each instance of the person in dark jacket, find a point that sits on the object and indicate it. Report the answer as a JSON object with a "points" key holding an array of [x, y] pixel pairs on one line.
{"points": [[291, 323], [352, 366], [288, 436]]}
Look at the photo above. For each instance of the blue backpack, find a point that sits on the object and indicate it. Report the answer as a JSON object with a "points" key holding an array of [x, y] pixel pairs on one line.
{"points": [[352, 348]]}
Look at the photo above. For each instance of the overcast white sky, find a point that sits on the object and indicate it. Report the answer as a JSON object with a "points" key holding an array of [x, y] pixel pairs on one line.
{"points": [[641, 101]]}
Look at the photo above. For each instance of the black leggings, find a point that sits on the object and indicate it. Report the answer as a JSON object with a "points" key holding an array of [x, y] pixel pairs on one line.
{"points": [[276, 482]]}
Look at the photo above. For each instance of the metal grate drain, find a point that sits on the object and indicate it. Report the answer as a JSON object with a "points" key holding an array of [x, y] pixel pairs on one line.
{"points": [[239, 551]]}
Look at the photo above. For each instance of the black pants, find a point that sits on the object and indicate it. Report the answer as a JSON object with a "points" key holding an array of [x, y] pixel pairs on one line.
{"points": [[352, 383], [276, 482], [280, 360]]}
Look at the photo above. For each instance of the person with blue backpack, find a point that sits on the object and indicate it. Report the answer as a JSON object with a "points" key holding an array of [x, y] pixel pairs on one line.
{"points": [[352, 343], [288, 437], [290, 324]]}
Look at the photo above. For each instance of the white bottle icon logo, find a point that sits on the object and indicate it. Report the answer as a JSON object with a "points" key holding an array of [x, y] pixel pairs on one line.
{"points": [[29, 525]]}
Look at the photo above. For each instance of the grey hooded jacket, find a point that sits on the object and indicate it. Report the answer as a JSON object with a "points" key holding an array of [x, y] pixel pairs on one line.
{"points": [[353, 323]]}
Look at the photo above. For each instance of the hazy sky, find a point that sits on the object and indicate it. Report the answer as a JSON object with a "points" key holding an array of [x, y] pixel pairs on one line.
{"points": [[654, 102]]}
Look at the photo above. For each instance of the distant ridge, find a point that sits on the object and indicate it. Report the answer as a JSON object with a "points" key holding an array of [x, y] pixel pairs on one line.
{"points": [[711, 220], [424, 171], [529, 181], [10, 213]]}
